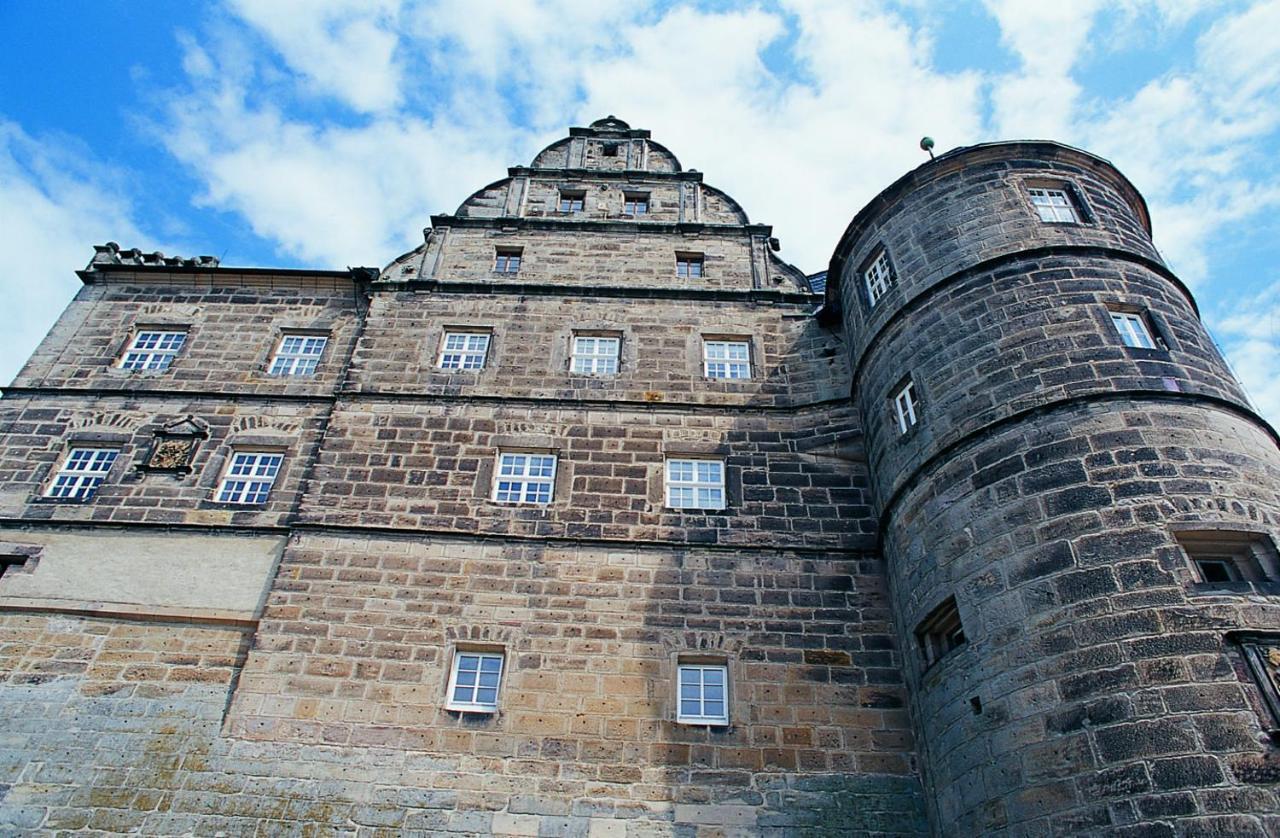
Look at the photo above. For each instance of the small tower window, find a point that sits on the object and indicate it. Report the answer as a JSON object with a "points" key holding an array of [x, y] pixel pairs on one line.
{"points": [[572, 200], [689, 265], [941, 632], [906, 407], [1133, 329], [877, 276], [1230, 556], [610, 149], [507, 260], [635, 203], [1053, 205]]}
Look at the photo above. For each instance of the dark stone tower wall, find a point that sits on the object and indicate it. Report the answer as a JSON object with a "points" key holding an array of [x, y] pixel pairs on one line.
{"points": [[1042, 488]]}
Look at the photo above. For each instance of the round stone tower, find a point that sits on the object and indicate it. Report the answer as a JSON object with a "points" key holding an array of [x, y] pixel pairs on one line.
{"points": [[1078, 505]]}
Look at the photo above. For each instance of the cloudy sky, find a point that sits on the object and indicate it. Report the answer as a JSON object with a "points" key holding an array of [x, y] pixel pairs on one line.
{"points": [[324, 133]]}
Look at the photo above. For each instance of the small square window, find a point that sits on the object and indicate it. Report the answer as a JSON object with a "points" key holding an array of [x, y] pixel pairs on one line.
{"points": [[703, 697], [695, 484], [507, 260], [81, 472], [595, 355], [464, 350], [474, 682], [636, 203], [906, 407], [249, 477], [152, 349], [1053, 205], [1133, 330], [689, 265], [941, 632], [726, 358], [1230, 556], [572, 200], [878, 276], [525, 478], [609, 149], [297, 355]]}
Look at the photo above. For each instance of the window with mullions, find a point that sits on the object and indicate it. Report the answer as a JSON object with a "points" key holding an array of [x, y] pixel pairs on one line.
{"points": [[525, 478], [595, 355], [507, 260], [906, 407], [572, 200], [1133, 329], [635, 203], [298, 355], [1053, 205], [152, 350], [689, 265], [249, 477], [474, 682], [695, 484], [81, 473], [726, 358], [464, 350], [878, 276], [703, 694]]}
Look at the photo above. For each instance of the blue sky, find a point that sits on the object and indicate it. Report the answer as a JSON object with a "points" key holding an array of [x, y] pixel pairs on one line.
{"points": [[324, 133]]}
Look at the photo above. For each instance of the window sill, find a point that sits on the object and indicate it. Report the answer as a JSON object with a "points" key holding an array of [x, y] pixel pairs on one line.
{"points": [[721, 724], [1265, 588], [64, 501], [491, 712]]}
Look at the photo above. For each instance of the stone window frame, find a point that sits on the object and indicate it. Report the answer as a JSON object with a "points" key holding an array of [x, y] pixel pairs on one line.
{"points": [[694, 484], [635, 197], [940, 633], [550, 481], [1248, 555], [483, 650], [18, 558], [879, 254], [224, 457], [1260, 653], [703, 659], [84, 442], [609, 334], [1156, 329], [716, 337], [693, 263], [147, 327], [486, 474], [915, 406], [576, 195], [1081, 213], [282, 335], [509, 253], [447, 331], [679, 449]]}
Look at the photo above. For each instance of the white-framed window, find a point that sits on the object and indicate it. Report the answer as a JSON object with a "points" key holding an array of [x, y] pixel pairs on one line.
{"points": [[81, 473], [474, 681], [524, 478], [507, 260], [297, 355], [906, 407], [464, 350], [572, 200], [153, 349], [703, 694], [1133, 329], [878, 276], [595, 354], [1053, 205], [689, 265], [695, 484], [249, 477], [726, 358], [635, 203]]}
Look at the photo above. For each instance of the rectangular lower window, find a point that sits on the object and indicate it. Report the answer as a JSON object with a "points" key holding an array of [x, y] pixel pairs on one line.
{"points": [[635, 203], [689, 265], [726, 358], [474, 681], [695, 484], [941, 632], [525, 478], [81, 472], [153, 349], [249, 477], [572, 200], [297, 355], [1230, 555], [595, 355], [507, 260], [906, 407], [1133, 329], [703, 694], [464, 350]]}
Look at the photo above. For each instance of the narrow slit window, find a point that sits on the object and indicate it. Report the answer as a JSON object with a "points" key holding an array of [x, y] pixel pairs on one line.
{"points": [[695, 484], [525, 478], [941, 632], [906, 407], [507, 260], [1053, 205], [595, 355], [474, 682], [152, 349], [297, 355], [878, 276], [703, 697], [1133, 329], [81, 472], [464, 350], [727, 359], [689, 265], [249, 477]]}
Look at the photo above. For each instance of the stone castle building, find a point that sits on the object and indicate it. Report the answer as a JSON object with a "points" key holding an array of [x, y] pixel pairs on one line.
{"points": [[592, 517]]}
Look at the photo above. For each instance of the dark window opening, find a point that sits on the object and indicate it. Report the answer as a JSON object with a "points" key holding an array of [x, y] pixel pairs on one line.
{"points": [[1230, 556], [941, 632]]}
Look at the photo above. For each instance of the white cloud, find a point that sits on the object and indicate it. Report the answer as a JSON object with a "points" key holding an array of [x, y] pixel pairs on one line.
{"points": [[1250, 337], [56, 202]]}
